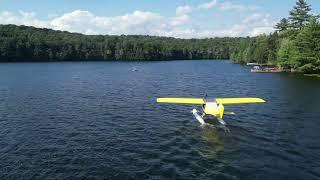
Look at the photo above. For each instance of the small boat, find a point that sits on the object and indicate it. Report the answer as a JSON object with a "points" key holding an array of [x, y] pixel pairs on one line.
{"points": [[134, 69], [253, 64], [265, 69]]}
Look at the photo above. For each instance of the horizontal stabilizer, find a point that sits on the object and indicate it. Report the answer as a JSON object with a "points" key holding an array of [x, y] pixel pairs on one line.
{"points": [[181, 100], [226, 101]]}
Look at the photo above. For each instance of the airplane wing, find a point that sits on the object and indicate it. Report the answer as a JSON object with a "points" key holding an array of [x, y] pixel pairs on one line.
{"points": [[181, 100], [226, 101]]}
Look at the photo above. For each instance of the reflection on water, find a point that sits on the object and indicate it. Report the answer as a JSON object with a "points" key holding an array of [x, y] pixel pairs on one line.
{"points": [[100, 120], [213, 137]]}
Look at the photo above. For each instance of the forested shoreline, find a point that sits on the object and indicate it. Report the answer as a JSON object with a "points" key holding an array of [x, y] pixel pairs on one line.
{"points": [[23, 43], [294, 46]]}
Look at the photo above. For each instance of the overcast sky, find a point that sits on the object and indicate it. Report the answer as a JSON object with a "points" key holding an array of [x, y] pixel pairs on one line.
{"points": [[180, 18]]}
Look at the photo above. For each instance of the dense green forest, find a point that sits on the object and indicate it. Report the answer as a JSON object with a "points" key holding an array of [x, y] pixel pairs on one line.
{"points": [[295, 45], [22, 43]]}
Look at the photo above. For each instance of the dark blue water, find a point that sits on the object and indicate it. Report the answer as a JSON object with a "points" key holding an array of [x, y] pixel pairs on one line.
{"points": [[100, 120]]}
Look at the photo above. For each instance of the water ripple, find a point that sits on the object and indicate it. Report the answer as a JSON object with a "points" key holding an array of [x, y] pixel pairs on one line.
{"points": [[100, 120]]}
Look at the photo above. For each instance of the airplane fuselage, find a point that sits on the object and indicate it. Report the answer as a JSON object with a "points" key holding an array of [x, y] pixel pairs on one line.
{"points": [[214, 109]]}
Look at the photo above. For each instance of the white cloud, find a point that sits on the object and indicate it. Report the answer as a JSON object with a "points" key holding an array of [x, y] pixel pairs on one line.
{"points": [[233, 6], [138, 22], [182, 10], [208, 5], [21, 18], [179, 20], [142, 23], [182, 16], [261, 30], [226, 5], [253, 25]]}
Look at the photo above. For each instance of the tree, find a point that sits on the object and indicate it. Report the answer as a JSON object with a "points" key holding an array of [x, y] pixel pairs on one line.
{"points": [[20, 43], [283, 25], [260, 52], [273, 46], [285, 54], [307, 47], [300, 14], [297, 46]]}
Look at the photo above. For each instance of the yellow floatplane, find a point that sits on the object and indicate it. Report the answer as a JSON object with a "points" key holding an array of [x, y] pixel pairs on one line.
{"points": [[212, 108]]}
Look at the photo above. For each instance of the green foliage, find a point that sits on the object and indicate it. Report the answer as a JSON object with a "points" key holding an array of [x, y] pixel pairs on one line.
{"points": [[261, 49], [283, 25], [22, 43], [300, 14], [295, 44], [285, 54], [260, 52], [307, 46]]}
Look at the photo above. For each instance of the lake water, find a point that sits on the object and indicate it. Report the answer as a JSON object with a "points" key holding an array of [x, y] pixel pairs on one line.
{"points": [[100, 119]]}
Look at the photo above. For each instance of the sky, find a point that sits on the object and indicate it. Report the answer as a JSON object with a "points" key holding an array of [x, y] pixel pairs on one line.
{"points": [[173, 18]]}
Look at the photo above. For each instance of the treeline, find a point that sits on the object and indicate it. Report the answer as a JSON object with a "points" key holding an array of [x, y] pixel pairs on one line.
{"points": [[22, 43], [295, 45]]}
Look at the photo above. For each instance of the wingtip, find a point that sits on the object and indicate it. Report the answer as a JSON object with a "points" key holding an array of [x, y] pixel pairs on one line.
{"points": [[262, 100], [161, 100]]}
